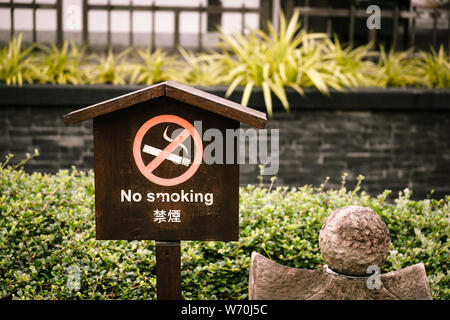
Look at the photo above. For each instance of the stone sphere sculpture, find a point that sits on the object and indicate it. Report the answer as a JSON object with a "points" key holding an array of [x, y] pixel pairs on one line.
{"points": [[353, 238]]}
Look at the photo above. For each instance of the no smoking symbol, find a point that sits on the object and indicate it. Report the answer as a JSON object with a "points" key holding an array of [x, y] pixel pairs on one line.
{"points": [[147, 170]]}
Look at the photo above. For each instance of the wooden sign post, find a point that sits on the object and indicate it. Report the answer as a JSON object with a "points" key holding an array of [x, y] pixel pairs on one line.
{"points": [[151, 182], [168, 270]]}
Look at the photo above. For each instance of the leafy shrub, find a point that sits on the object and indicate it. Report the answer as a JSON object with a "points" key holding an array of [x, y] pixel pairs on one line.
{"points": [[47, 226]]}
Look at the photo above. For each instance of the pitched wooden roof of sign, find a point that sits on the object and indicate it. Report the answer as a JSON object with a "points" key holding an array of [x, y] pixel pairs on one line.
{"points": [[177, 91]]}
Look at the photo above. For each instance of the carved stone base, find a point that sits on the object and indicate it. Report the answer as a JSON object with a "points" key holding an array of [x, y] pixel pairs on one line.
{"points": [[272, 281]]}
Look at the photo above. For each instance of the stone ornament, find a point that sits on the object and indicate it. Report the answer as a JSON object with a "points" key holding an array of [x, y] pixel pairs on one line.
{"points": [[353, 238], [352, 241]]}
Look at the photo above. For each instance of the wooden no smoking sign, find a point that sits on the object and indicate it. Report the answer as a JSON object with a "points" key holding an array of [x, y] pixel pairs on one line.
{"points": [[151, 182]]}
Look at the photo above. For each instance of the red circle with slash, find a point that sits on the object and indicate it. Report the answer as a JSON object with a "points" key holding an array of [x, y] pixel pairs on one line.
{"points": [[147, 170]]}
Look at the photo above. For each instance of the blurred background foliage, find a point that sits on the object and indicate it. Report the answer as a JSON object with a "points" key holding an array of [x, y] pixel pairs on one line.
{"points": [[290, 58]]}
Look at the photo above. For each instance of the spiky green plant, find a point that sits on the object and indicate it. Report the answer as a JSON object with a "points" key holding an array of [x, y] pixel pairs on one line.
{"points": [[60, 65], [152, 67], [265, 60], [198, 68], [435, 68], [110, 68], [398, 69], [290, 58], [16, 64], [318, 67], [351, 65]]}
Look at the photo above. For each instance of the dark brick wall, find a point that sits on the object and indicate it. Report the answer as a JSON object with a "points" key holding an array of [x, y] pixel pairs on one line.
{"points": [[394, 149], [25, 128]]}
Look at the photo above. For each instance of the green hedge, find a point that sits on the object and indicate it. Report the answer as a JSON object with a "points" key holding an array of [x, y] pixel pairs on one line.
{"points": [[47, 225]]}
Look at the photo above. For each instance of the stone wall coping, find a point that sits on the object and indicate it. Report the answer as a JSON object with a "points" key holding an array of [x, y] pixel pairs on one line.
{"points": [[363, 99]]}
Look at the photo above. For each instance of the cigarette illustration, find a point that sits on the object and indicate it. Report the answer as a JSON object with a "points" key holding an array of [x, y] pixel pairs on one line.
{"points": [[172, 157]]}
